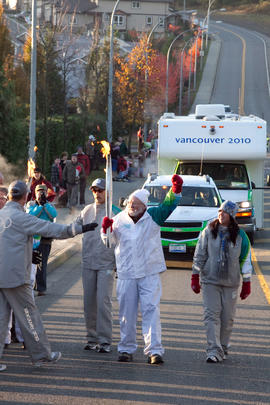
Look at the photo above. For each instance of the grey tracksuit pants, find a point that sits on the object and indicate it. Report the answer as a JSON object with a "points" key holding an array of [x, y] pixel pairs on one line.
{"points": [[21, 300], [97, 287], [219, 311], [72, 193]]}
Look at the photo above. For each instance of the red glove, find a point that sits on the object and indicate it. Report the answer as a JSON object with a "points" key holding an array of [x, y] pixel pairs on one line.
{"points": [[195, 283], [79, 169], [106, 223], [177, 182], [246, 290]]}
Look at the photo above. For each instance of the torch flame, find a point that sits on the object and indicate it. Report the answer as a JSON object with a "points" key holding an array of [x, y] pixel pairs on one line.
{"points": [[106, 149], [30, 167], [35, 148]]}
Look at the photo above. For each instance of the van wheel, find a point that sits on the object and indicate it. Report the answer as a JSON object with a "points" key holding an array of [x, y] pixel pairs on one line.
{"points": [[251, 237], [268, 180]]}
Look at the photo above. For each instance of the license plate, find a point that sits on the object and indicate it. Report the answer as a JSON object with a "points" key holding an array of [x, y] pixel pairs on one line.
{"points": [[177, 248]]}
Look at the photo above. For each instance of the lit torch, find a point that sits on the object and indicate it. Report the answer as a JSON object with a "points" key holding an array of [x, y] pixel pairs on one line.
{"points": [[30, 172], [106, 151]]}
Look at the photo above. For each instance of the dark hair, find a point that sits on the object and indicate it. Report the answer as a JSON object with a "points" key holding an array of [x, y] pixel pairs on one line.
{"points": [[64, 154], [233, 229]]}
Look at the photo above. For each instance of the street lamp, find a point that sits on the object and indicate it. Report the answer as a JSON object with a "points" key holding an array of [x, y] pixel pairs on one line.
{"points": [[33, 83], [167, 66], [211, 2], [110, 89]]}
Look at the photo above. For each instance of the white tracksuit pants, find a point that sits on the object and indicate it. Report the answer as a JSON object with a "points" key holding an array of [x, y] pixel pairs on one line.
{"points": [[145, 291], [219, 312]]}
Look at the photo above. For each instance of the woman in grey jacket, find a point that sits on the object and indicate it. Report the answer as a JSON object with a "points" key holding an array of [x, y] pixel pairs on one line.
{"points": [[221, 256]]}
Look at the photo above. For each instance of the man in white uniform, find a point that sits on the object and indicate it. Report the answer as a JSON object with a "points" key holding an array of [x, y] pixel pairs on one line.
{"points": [[139, 260]]}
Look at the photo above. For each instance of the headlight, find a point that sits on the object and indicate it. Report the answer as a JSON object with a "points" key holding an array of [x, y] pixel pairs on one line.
{"points": [[245, 204]]}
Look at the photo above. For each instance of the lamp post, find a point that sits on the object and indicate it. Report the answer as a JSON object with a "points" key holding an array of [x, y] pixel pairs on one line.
{"points": [[167, 66], [33, 82], [146, 60], [110, 89], [211, 2]]}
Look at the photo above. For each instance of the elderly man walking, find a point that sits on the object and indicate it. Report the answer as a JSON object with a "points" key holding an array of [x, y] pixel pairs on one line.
{"points": [[16, 244], [139, 260]]}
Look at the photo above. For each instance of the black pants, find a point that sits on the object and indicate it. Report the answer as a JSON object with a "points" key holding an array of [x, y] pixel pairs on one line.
{"points": [[41, 277]]}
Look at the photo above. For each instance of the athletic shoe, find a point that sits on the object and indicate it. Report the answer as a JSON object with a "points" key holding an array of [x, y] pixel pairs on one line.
{"points": [[212, 359], [3, 367], [103, 348], [155, 359], [55, 356], [90, 346], [125, 357]]}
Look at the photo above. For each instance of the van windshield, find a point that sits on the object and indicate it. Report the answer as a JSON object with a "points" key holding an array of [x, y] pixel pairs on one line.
{"points": [[191, 196], [225, 175]]}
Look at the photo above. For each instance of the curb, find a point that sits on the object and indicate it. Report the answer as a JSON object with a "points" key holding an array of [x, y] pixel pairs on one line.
{"points": [[61, 256]]}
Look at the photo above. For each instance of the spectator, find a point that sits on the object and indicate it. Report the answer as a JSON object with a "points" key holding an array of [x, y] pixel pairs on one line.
{"points": [[71, 175], [56, 175], [122, 168], [222, 254], [37, 179], [98, 264], [115, 153], [15, 272], [123, 150], [139, 260], [42, 209], [90, 150], [3, 196], [84, 161]]}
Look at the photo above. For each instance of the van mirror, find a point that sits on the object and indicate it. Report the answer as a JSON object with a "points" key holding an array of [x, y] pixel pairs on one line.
{"points": [[253, 184]]}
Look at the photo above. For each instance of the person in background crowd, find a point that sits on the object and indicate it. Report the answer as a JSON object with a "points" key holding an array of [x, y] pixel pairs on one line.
{"points": [[72, 173], [90, 150], [1, 179], [15, 272], [135, 234], [39, 178], [115, 153], [123, 150], [85, 162], [42, 209], [98, 264], [63, 161], [221, 256], [56, 175]]}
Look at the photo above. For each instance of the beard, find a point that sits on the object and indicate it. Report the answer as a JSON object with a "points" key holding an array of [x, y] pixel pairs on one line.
{"points": [[133, 213]]}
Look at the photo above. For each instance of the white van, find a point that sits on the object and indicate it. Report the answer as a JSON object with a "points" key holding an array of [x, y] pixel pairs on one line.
{"points": [[229, 149]]}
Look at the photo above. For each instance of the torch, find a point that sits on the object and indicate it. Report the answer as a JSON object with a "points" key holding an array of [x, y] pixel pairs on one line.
{"points": [[106, 151], [30, 170]]}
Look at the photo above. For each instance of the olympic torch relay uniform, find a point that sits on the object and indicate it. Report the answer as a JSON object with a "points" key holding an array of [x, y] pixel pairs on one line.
{"points": [[16, 244], [139, 260]]}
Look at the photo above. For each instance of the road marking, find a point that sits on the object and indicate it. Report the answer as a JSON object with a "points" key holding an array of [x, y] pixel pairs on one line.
{"points": [[260, 276]]}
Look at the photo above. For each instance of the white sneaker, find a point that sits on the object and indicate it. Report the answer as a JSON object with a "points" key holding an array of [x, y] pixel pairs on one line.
{"points": [[55, 356], [3, 367]]}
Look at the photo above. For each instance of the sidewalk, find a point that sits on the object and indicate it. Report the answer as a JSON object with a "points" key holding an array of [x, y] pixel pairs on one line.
{"points": [[62, 250]]}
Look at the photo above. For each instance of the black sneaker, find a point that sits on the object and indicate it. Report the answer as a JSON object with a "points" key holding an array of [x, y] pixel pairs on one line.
{"points": [[155, 359], [212, 359], [125, 357]]}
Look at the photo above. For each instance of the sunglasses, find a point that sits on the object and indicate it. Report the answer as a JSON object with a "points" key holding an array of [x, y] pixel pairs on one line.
{"points": [[97, 190]]}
